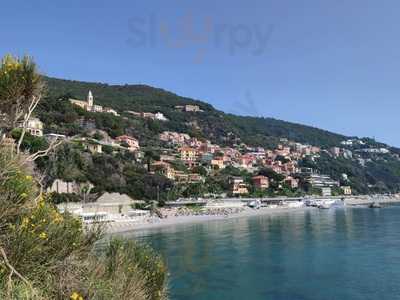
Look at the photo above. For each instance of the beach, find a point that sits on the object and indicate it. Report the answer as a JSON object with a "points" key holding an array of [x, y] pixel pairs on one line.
{"points": [[122, 227], [184, 215]]}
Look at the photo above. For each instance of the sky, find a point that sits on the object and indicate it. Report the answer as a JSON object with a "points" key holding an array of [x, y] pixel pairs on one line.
{"points": [[331, 64]]}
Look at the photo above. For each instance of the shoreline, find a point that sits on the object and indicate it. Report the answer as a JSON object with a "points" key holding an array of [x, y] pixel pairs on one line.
{"points": [[120, 228]]}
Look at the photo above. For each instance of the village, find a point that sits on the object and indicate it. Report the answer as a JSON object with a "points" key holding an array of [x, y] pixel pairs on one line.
{"points": [[202, 158]]}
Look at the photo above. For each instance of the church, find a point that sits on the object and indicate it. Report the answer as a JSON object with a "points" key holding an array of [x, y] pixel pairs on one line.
{"points": [[89, 105]]}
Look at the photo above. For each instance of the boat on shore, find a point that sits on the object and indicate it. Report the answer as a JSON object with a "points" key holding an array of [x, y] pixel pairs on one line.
{"points": [[325, 205], [256, 204], [331, 203]]}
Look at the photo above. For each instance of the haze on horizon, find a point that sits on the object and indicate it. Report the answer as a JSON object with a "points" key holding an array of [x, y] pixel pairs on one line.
{"points": [[330, 64]]}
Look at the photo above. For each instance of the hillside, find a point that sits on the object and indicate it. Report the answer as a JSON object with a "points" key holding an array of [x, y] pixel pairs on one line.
{"points": [[213, 123], [368, 166]]}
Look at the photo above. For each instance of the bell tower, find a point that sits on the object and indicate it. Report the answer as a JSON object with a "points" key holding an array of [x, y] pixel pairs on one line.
{"points": [[90, 99]]}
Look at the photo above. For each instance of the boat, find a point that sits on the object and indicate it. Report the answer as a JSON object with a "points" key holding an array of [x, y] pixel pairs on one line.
{"points": [[255, 204], [311, 202], [325, 205], [295, 204], [375, 205]]}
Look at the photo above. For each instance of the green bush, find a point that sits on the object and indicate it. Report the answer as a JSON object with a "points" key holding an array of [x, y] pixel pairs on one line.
{"points": [[49, 255]]}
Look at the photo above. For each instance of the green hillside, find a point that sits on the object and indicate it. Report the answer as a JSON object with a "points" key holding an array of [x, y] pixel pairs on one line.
{"points": [[368, 172], [214, 124]]}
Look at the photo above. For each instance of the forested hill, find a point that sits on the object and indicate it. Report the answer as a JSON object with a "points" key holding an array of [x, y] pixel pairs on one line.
{"points": [[216, 125]]}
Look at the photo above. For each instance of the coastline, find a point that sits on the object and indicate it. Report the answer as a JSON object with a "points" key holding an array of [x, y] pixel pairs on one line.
{"points": [[120, 227], [125, 227]]}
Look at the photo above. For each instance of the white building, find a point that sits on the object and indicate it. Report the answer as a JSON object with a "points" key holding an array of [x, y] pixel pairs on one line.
{"points": [[34, 126], [89, 105], [160, 116]]}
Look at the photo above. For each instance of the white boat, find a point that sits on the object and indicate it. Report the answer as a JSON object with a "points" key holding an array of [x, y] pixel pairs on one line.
{"points": [[295, 204], [255, 204], [326, 204]]}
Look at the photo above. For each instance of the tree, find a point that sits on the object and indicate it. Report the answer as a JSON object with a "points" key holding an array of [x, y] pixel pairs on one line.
{"points": [[150, 155], [268, 172], [21, 89]]}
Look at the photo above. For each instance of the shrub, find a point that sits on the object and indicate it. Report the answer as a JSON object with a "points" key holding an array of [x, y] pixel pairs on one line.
{"points": [[46, 254]]}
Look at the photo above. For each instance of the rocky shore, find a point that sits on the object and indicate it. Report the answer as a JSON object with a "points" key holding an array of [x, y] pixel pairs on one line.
{"points": [[184, 211]]}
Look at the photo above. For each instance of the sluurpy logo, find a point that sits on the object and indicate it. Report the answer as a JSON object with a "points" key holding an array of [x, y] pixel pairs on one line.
{"points": [[199, 35]]}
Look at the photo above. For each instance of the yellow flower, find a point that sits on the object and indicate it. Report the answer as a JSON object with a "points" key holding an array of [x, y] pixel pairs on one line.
{"points": [[43, 235], [24, 195], [76, 296], [28, 177], [25, 222], [58, 219]]}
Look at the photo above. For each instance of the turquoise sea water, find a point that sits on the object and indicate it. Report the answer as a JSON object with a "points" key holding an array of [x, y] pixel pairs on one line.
{"points": [[351, 253]]}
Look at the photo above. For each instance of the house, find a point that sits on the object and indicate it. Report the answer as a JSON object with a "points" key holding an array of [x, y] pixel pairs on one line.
{"points": [[188, 155], [63, 187], [174, 137], [195, 178], [320, 181], [181, 176], [346, 190], [34, 126], [292, 182], [335, 151], [147, 115], [238, 186], [189, 108], [163, 168], [247, 160], [131, 142], [92, 145], [110, 111], [114, 203], [261, 182], [160, 117], [218, 163]]}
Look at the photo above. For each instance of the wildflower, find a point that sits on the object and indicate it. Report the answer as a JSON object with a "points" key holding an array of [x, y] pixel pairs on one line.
{"points": [[43, 235], [25, 223], [24, 195], [28, 177], [58, 219], [76, 296]]}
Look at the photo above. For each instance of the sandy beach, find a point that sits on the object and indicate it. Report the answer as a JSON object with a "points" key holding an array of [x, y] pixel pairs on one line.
{"points": [[123, 227]]}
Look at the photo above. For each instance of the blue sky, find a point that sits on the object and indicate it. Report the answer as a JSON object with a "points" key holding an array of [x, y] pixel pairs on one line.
{"points": [[330, 64]]}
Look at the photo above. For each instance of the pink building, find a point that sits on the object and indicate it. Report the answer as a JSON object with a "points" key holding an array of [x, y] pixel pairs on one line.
{"points": [[261, 182], [133, 144]]}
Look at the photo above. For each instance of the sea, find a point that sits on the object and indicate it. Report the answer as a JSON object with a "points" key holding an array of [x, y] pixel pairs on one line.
{"points": [[334, 254]]}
